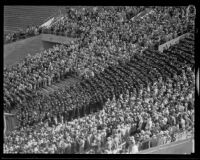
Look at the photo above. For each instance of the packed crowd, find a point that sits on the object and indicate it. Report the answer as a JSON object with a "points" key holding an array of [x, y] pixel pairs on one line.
{"points": [[79, 23], [130, 92], [114, 43], [76, 22], [88, 95], [30, 31], [158, 110], [61, 26]]}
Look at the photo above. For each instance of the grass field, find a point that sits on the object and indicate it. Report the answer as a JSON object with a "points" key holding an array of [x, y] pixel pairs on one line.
{"points": [[16, 51], [179, 147]]}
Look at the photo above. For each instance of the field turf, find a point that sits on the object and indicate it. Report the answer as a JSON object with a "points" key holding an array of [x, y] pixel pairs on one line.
{"points": [[179, 147]]}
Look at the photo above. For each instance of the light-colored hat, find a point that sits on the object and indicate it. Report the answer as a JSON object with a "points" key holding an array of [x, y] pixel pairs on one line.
{"points": [[142, 132], [161, 132], [154, 136], [132, 138], [109, 138]]}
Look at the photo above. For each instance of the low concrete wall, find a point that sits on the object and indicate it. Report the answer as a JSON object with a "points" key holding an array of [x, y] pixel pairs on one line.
{"points": [[56, 39]]}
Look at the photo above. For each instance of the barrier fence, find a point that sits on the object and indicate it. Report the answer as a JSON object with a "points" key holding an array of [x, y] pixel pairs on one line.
{"points": [[158, 141]]}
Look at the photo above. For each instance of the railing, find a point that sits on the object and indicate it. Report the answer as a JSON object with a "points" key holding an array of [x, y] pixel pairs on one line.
{"points": [[158, 141]]}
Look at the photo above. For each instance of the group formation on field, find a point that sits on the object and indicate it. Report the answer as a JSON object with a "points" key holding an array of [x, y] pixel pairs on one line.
{"points": [[128, 91]]}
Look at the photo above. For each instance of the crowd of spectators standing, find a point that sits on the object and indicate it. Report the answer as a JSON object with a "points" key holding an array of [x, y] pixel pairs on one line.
{"points": [[158, 110], [57, 107], [81, 23], [85, 95], [129, 91], [115, 42]]}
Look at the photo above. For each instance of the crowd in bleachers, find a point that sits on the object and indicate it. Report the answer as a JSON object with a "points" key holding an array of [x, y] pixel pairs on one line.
{"points": [[76, 23], [156, 110], [129, 93], [82, 97], [83, 23], [173, 96], [117, 42]]}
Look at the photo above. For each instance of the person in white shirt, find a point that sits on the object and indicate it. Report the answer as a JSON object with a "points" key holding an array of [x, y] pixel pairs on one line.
{"points": [[182, 122], [149, 124], [123, 131], [109, 144], [116, 141], [133, 148]]}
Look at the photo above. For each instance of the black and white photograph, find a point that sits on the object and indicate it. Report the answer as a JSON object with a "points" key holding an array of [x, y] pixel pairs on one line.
{"points": [[99, 79]]}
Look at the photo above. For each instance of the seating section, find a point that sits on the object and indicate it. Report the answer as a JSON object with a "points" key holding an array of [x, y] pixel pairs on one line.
{"points": [[109, 92]]}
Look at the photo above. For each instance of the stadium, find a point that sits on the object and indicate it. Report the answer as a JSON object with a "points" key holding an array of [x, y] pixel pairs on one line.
{"points": [[99, 79]]}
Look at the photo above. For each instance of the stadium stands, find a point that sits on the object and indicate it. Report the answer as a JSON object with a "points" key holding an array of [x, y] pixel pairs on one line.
{"points": [[130, 96]]}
